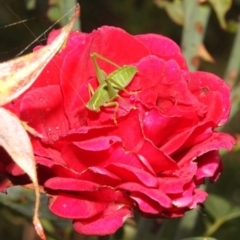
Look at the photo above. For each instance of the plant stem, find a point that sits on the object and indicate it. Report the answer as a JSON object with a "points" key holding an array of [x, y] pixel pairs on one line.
{"points": [[65, 6], [195, 24], [233, 66]]}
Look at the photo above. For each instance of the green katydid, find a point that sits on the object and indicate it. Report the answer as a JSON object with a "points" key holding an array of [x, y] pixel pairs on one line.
{"points": [[109, 85]]}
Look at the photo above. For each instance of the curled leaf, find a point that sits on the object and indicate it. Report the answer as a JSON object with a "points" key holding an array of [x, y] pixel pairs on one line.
{"points": [[17, 75], [221, 7], [174, 10], [15, 140]]}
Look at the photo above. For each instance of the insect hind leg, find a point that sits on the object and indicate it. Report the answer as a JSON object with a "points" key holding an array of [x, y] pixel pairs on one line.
{"points": [[111, 104]]}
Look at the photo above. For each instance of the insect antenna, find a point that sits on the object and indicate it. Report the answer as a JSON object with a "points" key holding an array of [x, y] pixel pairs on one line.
{"points": [[23, 22], [19, 22], [44, 33]]}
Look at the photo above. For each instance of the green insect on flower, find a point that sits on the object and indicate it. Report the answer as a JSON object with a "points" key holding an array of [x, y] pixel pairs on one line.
{"points": [[109, 85]]}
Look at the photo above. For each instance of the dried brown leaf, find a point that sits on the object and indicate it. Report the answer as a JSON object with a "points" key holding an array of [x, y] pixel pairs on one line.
{"points": [[17, 75], [204, 54]]}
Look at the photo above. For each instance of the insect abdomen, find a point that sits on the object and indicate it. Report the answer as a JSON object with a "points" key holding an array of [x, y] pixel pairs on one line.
{"points": [[123, 76]]}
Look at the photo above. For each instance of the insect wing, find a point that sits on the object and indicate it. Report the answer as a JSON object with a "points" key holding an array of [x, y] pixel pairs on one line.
{"points": [[122, 77]]}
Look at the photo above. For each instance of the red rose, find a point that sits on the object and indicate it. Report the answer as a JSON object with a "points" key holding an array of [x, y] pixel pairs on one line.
{"points": [[153, 159]]}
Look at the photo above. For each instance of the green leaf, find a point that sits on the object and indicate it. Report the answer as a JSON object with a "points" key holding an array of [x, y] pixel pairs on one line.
{"points": [[54, 13], [220, 207], [19, 202], [199, 238], [221, 7], [217, 206], [232, 26], [173, 9], [221, 210], [22, 200]]}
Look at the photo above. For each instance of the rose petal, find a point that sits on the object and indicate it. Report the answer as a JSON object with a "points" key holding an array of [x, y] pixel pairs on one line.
{"points": [[161, 47], [95, 152], [181, 177], [216, 141], [152, 194], [131, 174], [134, 141], [101, 176], [106, 223], [210, 88], [37, 109], [209, 165], [72, 207]]}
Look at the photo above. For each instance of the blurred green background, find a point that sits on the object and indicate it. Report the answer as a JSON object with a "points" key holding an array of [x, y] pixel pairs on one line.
{"points": [[220, 218]]}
